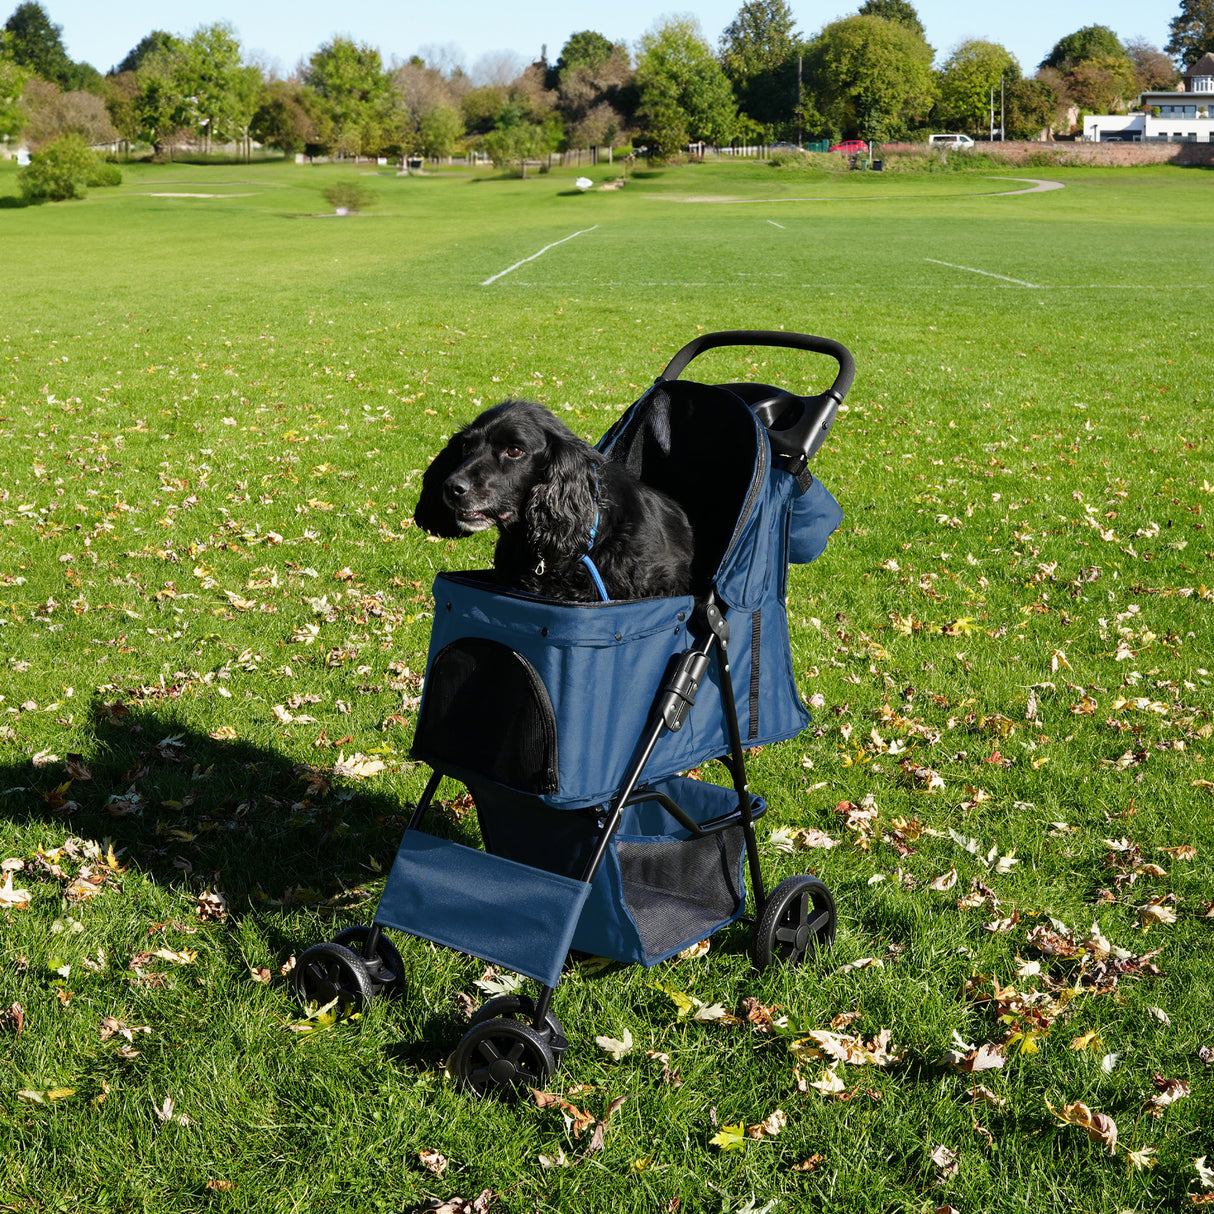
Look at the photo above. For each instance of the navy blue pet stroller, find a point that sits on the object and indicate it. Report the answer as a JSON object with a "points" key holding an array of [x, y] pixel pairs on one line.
{"points": [[571, 725]]}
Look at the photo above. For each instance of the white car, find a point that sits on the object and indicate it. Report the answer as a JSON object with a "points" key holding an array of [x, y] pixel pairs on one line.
{"points": [[950, 141]]}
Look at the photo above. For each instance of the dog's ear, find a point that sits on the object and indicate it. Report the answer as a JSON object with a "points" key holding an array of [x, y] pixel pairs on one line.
{"points": [[432, 514], [563, 503]]}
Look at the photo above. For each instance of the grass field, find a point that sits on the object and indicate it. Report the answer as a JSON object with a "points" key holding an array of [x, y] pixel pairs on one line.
{"points": [[216, 401]]}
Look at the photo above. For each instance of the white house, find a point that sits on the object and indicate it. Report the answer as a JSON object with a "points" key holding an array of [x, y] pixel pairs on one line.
{"points": [[1183, 116]]}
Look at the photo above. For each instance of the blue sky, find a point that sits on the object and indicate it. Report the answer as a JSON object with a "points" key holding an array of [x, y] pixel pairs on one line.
{"points": [[283, 34]]}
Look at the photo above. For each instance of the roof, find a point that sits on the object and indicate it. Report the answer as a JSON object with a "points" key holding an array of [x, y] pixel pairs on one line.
{"points": [[1203, 67]]}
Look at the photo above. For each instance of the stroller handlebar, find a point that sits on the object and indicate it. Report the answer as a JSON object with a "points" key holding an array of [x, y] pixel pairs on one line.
{"points": [[796, 425]]}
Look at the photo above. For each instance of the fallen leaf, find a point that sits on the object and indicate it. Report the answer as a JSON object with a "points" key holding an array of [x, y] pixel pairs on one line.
{"points": [[433, 1161], [1100, 1127], [617, 1049]]}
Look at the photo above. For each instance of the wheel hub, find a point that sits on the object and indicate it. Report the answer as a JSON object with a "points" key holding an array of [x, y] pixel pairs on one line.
{"points": [[502, 1070]]}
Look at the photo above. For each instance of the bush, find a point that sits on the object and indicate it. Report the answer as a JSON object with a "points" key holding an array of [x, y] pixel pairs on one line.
{"points": [[349, 195], [60, 171], [104, 173]]}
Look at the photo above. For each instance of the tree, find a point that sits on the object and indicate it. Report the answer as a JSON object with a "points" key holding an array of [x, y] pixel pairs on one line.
{"points": [[355, 95], [13, 78], [37, 44], [430, 108], [900, 12], [1030, 107], [148, 45], [966, 80], [759, 51], [1192, 31], [1152, 68], [869, 78], [1100, 85], [281, 119], [592, 76], [1091, 42], [682, 88], [515, 138], [52, 113], [223, 91], [585, 49]]}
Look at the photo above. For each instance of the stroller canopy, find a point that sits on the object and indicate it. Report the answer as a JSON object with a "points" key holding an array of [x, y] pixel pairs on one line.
{"points": [[706, 448]]}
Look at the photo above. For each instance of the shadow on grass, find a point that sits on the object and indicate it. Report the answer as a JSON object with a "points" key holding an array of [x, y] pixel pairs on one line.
{"points": [[188, 809]]}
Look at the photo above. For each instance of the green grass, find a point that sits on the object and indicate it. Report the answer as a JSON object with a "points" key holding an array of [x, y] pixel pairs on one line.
{"points": [[215, 412]]}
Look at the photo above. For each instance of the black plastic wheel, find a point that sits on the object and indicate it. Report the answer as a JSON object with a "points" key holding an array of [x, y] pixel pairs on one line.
{"points": [[798, 919], [386, 969], [328, 972], [522, 1007], [501, 1058]]}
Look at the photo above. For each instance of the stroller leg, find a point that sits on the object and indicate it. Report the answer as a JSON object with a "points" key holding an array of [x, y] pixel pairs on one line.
{"points": [[737, 764], [423, 805]]}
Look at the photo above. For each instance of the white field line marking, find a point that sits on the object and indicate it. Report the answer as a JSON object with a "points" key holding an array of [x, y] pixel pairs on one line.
{"points": [[970, 270], [525, 260], [777, 225]]}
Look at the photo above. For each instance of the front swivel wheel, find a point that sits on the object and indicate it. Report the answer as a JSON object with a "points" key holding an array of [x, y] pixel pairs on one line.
{"points": [[329, 973], [798, 919], [501, 1058]]}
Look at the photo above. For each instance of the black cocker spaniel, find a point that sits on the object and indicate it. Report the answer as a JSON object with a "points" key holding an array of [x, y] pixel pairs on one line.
{"points": [[555, 500]]}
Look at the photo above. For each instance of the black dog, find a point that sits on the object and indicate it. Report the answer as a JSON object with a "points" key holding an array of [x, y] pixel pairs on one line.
{"points": [[554, 499]]}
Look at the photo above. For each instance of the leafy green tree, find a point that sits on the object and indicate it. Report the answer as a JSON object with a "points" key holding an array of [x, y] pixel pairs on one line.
{"points": [[223, 91], [1100, 85], [281, 119], [1091, 42], [150, 44], [759, 51], [869, 78], [515, 138], [683, 89], [355, 95], [429, 105], [1192, 31], [900, 12], [965, 83], [1031, 106], [163, 115], [36, 43], [13, 78], [585, 49], [592, 80]]}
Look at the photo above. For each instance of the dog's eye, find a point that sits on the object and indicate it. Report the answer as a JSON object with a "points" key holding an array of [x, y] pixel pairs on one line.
{"points": [[514, 451]]}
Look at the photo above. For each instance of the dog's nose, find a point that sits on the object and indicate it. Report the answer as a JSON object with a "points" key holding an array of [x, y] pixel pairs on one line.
{"points": [[454, 488]]}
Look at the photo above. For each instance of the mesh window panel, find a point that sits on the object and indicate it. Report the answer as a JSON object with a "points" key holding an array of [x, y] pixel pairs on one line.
{"points": [[681, 891], [486, 710]]}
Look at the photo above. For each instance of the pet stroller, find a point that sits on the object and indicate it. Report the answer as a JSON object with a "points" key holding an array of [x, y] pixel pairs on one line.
{"points": [[571, 724]]}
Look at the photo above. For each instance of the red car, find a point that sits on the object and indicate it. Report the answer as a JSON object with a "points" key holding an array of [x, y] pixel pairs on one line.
{"points": [[851, 146]]}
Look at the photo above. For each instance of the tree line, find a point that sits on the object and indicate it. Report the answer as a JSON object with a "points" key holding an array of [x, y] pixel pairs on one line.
{"points": [[869, 75]]}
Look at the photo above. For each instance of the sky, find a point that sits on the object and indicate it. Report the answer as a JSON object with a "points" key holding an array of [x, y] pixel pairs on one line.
{"points": [[280, 35]]}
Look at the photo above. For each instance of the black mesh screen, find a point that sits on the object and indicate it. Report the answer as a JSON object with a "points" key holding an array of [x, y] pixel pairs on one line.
{"points": [[486, 711], [678, 892]]}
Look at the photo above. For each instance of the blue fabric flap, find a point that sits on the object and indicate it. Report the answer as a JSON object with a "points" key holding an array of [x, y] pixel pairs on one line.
{"points": [[499, 910]]}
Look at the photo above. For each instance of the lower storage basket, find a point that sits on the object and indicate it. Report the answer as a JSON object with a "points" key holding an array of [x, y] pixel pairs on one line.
{"points": [[659, 889]]}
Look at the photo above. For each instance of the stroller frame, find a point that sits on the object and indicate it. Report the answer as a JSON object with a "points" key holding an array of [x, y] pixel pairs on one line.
{"points": [[515, 1040]]}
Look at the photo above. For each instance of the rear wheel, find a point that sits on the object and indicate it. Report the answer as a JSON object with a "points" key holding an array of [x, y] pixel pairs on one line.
{"points": [[798, 919]]}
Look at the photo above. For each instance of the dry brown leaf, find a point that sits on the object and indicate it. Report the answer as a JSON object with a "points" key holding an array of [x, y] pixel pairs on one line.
{"points": [[1100, 1127]]}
